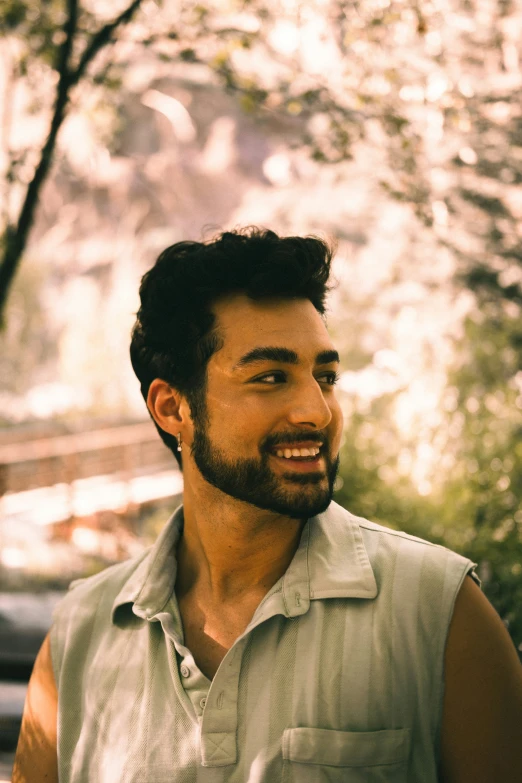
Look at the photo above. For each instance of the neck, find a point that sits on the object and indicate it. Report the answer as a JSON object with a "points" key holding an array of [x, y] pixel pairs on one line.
{"points": [[229, 549]]}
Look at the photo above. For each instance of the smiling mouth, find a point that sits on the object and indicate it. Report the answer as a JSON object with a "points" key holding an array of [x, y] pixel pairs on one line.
{"points": [[312, 468], [300, 462], [309, 454]]}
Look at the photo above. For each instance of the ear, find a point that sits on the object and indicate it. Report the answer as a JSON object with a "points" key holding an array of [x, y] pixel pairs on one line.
{"points": [[167, 407]]}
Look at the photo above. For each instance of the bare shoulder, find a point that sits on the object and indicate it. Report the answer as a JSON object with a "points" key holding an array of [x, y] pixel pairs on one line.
{"points": [[36, 758], [481, 737]]}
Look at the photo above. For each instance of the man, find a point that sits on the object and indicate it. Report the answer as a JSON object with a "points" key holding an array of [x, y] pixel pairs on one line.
{"points": [[268, 635]]}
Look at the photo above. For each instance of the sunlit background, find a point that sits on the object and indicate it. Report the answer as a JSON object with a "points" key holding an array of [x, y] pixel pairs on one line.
{"points": [[393, 128]]}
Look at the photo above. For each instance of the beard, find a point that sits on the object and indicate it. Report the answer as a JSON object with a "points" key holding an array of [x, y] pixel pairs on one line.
{"points": [[295, 495]]}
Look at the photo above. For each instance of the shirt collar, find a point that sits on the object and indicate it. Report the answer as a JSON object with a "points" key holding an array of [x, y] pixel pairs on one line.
{"points": [[331, 561], [151, 585]]}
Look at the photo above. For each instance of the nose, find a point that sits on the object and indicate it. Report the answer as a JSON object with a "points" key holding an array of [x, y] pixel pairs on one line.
{"points": [[308, 407]]}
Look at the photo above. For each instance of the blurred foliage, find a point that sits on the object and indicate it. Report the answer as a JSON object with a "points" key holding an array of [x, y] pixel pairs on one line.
{"points": [[483, 492], [28, 342], [152, 518], [371, 485], [402, 76], [474, 507]]}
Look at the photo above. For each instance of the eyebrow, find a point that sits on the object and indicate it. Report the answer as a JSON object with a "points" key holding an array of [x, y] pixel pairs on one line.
{"points": [[270, 353]]}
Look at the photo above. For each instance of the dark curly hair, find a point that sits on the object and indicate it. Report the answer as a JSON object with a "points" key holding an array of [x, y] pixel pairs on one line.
{"points": [[174, 335]]}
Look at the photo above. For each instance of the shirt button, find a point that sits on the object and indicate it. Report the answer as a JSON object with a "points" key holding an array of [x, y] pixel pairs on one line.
{"points": [[185, 671], [202, 703]]}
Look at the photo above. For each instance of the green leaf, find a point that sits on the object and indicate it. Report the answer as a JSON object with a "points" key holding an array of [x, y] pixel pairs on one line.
{"points": [[188, 55]]}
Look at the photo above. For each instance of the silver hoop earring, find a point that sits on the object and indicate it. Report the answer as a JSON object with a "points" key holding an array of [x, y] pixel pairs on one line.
{"points": [[179, 441]]}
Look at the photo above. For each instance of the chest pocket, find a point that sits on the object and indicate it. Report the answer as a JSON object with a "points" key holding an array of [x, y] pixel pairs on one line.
{"points": [[328, 756]]}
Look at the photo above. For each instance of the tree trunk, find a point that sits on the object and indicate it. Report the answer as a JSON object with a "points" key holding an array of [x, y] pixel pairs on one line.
{"points": [[15, 238]]}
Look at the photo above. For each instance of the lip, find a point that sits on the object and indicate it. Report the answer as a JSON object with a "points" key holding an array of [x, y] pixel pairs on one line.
{"points": [[301, 466]]}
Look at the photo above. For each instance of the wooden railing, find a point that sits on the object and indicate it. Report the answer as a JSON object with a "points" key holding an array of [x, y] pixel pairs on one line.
{"points": [[130, 449]]}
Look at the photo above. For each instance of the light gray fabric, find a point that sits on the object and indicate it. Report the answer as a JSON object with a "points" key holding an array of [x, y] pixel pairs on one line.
{"points": [[338, 677]]}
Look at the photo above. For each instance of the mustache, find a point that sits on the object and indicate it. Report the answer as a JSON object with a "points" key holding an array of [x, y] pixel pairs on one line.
{"points": [[288, 438]]}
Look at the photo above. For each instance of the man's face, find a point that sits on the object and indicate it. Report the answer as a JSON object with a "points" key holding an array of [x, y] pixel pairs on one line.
{"points": [[269, 393]]}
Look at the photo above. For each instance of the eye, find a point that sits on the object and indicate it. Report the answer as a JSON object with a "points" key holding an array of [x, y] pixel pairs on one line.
{"points": [[270, 378], [330, 378]]}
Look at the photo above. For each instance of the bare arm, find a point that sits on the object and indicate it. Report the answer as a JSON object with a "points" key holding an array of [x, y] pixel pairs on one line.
{"points": [[481, 738], [36, 758]]}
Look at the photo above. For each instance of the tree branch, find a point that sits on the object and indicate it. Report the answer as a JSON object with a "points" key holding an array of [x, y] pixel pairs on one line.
{"points": [[5, 130], [102, 38], [16, 236]]}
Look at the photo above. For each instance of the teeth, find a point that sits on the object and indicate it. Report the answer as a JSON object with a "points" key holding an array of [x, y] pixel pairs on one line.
{"points": [[289, 453]]}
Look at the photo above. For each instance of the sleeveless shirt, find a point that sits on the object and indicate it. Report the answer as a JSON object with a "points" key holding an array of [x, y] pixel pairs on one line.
{"points": [[338, 677]]}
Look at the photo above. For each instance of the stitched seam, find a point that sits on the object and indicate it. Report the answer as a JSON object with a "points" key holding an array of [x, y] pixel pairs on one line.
{"points": [[217, 746]]}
